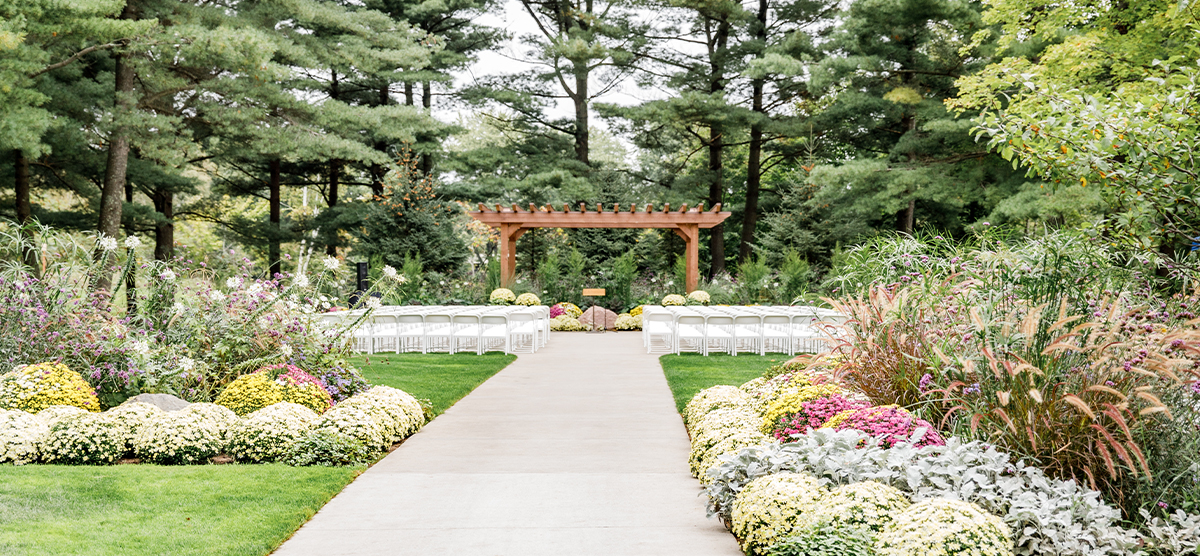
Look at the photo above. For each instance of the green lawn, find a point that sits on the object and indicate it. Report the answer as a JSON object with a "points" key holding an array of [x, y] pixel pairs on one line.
{"points": [[205, 509], [689, 373], [438, 377], [148, 509]]}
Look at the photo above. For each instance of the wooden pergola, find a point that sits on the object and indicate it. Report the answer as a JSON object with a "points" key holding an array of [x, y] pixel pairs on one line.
{"points": [[514, 221]]}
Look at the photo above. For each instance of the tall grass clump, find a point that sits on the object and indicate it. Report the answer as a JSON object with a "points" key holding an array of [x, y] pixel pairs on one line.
{"points": [[1047, 347]]}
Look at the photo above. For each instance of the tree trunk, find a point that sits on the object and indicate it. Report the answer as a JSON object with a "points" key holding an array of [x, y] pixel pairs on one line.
{"points": [[24, 210], [427, 102], [273, 251], [716, 149], [29, 254], [335, 175], [131, 286], [379, 170], [115, 170], [409, 100], [581, 112], [164, 230], [754, 158]]}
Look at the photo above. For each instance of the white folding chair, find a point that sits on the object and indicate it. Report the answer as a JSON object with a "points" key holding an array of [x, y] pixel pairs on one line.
{"points": [[689, 334], [659, 325], [524, 331], [439, 333], [747, 334], [494, 332], [411, 334], [777, 334], [466, 333], [385, 331], [718, 332]]}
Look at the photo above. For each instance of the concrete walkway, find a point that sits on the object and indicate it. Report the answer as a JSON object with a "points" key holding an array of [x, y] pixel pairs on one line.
{"points": [[575, 450]]}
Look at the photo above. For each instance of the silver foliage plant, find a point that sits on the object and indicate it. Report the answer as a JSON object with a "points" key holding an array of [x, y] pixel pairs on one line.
{"points": [[1047, 516]]}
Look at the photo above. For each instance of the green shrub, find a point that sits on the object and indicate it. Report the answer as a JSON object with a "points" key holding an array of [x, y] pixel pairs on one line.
{"points": [[329, 448], [824, 539]]}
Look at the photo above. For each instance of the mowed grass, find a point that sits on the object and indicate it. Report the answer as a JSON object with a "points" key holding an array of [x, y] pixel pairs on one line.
{"points": [[689, 373], [227, 510], [441, 378]]}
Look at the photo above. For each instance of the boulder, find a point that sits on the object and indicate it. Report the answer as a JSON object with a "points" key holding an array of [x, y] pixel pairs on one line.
{"points": [[600, 316], [165, 402]]}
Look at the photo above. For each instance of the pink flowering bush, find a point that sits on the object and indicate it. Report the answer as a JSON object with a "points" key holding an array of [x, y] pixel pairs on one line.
{"points": [[556, 310], [813, 414], [893, 423]]}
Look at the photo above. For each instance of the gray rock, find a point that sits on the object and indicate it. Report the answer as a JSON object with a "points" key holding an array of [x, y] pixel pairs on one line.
{"points": [[165, 402]]}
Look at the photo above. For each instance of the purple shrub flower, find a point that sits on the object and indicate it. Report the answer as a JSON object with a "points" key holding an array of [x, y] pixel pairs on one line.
{"points": [[813, 414]]}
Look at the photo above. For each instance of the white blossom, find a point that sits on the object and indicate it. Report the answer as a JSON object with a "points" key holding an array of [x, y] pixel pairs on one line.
{"points": [[254, 288], [285, 349], [139, 347], [374, 303], [167, 275], [301, 281], [216, 296], [234, 283], [106, 243], [402, 278], [331, 263], [186, 364], [389, 272], [178, 308], [133, 242]]}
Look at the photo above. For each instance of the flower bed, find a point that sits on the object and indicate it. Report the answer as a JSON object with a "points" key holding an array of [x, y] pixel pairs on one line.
{"points": [[839, 476], [355, 431]]}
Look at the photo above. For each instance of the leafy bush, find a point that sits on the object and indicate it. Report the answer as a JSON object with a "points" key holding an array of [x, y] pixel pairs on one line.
{"points": [[942, 527], [188, 436], [341, 382], [627, 322], [33, 388], [327, 447], [767, 509], [564, 323], [1046, 516], [527, 300], [674, 300], [21, 436], [85, 439], [752, 286], [273, 384], [868, 505], [269, 433], [823, 539], [502, 296]]}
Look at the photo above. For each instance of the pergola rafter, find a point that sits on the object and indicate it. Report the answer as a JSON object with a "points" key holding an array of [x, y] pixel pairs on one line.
{"points": [[513, 221]]}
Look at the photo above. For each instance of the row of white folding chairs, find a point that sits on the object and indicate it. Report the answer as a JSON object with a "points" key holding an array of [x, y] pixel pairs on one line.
{"points": [[732, 330], [451, 329]]}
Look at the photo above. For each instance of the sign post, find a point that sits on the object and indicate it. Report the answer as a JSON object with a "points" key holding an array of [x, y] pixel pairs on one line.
{"points": [[595, 292]]}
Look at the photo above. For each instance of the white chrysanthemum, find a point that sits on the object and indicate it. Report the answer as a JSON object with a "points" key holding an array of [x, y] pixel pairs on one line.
{"points": [[186, 364], [106, 243], [269, 433], [699, 296], [191, 435], [374, 303], [131, 418], [331, 263], [85, 439], [941, 527], [254, 288], [767, 509], [866, 505], [216, 296], [21, 436], [286, 350], [167, 274], [233, 283], [714, 398], [389, 272], [300, 281], [56, 413], [133, 242]]}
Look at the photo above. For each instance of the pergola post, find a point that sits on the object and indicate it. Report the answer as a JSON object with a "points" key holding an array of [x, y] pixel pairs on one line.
{"points": [[691, 237], [508, 253]]}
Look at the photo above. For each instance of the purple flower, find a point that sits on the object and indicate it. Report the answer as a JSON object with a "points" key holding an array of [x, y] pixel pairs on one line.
{"points": [[923, 385]]}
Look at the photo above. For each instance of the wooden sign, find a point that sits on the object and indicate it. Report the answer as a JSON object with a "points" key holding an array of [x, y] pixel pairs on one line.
{"points": [[593, 292]]}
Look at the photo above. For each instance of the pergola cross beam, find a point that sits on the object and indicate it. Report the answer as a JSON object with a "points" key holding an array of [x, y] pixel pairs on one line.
{"points": [[513, 221]]}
